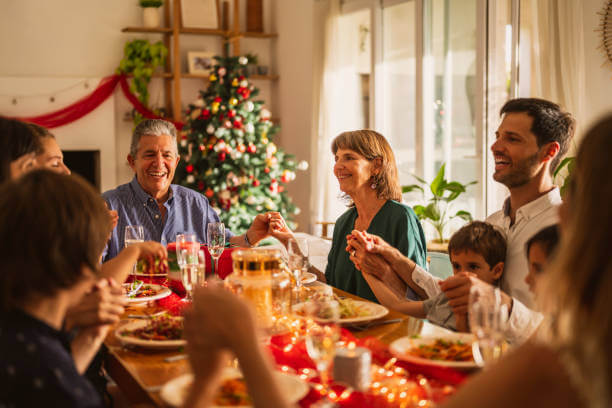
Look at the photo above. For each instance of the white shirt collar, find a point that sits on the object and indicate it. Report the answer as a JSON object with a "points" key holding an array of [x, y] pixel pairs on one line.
{"points": [[535, 207]]}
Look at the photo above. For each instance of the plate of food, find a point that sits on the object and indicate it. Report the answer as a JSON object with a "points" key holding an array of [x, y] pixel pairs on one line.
{"points": [[159, 332], [233, 390], [138, 291], [351, 311], [451, 350], [308, 277]]}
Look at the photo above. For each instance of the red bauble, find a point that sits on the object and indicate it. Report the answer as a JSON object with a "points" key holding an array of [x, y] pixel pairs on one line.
{"points": [[209, 193], [206, 114], [237, 124], [218, 99], [221, 117], [251, 148], [231, 113], [241, 148], [284, 179], [200, 185], [281, 189], [189, 168], [267, 170], [221, 156], [251, 176], [256, 183], [241, 77], [202, 147]]}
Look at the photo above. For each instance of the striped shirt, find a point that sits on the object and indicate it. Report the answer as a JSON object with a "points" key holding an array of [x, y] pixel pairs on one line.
{"points": [[186, 211]]}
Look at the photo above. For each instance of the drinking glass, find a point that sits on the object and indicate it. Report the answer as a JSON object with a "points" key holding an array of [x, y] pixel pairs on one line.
{"points": [[322, 335], [133, 234], [215, 235], [488, 318], [297, 250], [193, 274], [187, 248]]}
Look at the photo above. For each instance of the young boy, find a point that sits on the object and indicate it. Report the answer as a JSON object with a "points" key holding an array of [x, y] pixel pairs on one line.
{"points": [[478, 248], [539, 249]]}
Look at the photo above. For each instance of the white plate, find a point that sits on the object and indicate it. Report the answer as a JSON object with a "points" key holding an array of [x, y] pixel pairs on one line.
{"points": [[308, 277], [161, 292], [375, 310], [402, 346], [151, 344], [175, 391]]}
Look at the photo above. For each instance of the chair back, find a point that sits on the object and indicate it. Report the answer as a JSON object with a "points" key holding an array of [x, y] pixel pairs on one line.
{"points": [[439, 264]]}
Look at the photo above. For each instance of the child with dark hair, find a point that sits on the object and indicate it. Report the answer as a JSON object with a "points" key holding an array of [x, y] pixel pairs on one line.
{"points": [[479, 248], [539, 250]]}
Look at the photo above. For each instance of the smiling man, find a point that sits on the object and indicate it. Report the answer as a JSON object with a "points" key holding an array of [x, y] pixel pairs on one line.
{"points": [[165, 209]]}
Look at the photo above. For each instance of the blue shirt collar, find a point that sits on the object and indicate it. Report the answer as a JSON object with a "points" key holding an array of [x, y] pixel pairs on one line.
{"points": [[144, 197]]}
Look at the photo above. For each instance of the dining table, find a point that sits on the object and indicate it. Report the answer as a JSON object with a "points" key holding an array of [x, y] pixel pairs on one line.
{"points": [[140, 373]]}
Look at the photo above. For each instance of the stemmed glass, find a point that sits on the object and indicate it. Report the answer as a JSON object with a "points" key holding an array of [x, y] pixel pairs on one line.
{"points": [[133, 234], [297, 250], [322, 335], [193, 274], [186, 246], [215, 235], [488, 318]]}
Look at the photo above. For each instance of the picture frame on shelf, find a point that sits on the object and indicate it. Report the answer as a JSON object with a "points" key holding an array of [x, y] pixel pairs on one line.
{"points": [[200, 14], [200, 62]]}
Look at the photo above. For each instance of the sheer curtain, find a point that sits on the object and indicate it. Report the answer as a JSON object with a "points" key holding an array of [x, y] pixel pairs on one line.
{"points": [[338, 107], [558, 67]]}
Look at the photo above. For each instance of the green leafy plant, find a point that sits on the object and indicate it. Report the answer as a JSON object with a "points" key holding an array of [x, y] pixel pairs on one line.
{"points": [[443, 193], [151, 3], [141, 59], [568, 163]]}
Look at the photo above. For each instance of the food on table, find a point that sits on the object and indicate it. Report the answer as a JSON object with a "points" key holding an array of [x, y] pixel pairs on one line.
{"points": [[138, 289], [157, 267], [159, 328], [233, 392], [445, 350], [348, 308]]}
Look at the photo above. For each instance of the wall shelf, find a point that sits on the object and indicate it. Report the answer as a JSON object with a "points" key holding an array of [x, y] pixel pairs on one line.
{"points": [[173, 72]]}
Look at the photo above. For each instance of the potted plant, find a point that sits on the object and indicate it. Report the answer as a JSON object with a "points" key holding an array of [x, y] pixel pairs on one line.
{"points": [[141, 59], [150, 12], [436, 212], [568, 163]]}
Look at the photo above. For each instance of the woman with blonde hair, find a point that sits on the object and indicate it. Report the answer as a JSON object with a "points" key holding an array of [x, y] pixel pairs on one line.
{"points": [[366, 171], [569, 363]]}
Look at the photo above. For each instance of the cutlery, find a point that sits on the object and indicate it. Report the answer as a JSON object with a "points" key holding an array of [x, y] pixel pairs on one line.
{"points": [[177, 357], [133, 290], [146, 316]]}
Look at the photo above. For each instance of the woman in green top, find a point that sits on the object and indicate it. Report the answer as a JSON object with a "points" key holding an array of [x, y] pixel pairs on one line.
{"points": [[366, 170]]}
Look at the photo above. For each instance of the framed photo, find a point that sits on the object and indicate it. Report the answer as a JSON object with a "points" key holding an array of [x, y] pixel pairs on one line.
{"points": [[200, 62]]}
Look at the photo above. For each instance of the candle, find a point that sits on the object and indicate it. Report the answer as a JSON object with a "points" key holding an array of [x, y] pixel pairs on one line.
{"points": [[352, 367]]}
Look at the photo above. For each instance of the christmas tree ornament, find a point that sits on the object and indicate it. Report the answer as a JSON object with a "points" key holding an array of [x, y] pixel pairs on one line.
{"points": [[302, 165], [183, 143], [237, 184], [212, 78], [243, 60]]}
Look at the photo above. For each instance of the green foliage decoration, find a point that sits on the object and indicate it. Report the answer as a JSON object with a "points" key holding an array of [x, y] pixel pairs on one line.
{"points": [[568, 164], [443, 192], [151, 3]]}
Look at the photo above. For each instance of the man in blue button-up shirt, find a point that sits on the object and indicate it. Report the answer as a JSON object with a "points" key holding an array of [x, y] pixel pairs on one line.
{"points": [[165, 209]]}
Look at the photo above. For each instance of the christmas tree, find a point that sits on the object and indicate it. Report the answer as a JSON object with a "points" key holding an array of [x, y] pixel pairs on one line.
{"points": [[227, 149]]}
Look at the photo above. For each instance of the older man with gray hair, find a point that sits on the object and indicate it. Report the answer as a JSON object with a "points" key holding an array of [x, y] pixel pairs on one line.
{"points": [[165, 209]]}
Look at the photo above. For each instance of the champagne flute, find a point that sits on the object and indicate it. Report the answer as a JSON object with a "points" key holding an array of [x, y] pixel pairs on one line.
{"points": [[186, 242], [487, 317], [297, 249], [215, 235], [193, 274], [322, 335], [133, 234]]}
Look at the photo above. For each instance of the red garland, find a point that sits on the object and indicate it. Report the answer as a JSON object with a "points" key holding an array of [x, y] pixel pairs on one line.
{"points": [[90, 102]]}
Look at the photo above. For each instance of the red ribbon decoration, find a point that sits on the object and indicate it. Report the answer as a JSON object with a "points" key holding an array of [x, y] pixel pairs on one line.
{"points": [[90, 102]]}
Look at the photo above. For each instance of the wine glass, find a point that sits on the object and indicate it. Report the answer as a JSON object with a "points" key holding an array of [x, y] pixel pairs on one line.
{"points": [[133, 234], [297, 250], [488, 318], [215, 235], [322, 335], [193, 274]]}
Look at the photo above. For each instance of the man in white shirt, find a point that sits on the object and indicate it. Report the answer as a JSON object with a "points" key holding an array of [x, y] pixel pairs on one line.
{"points": [[531, 140]]}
